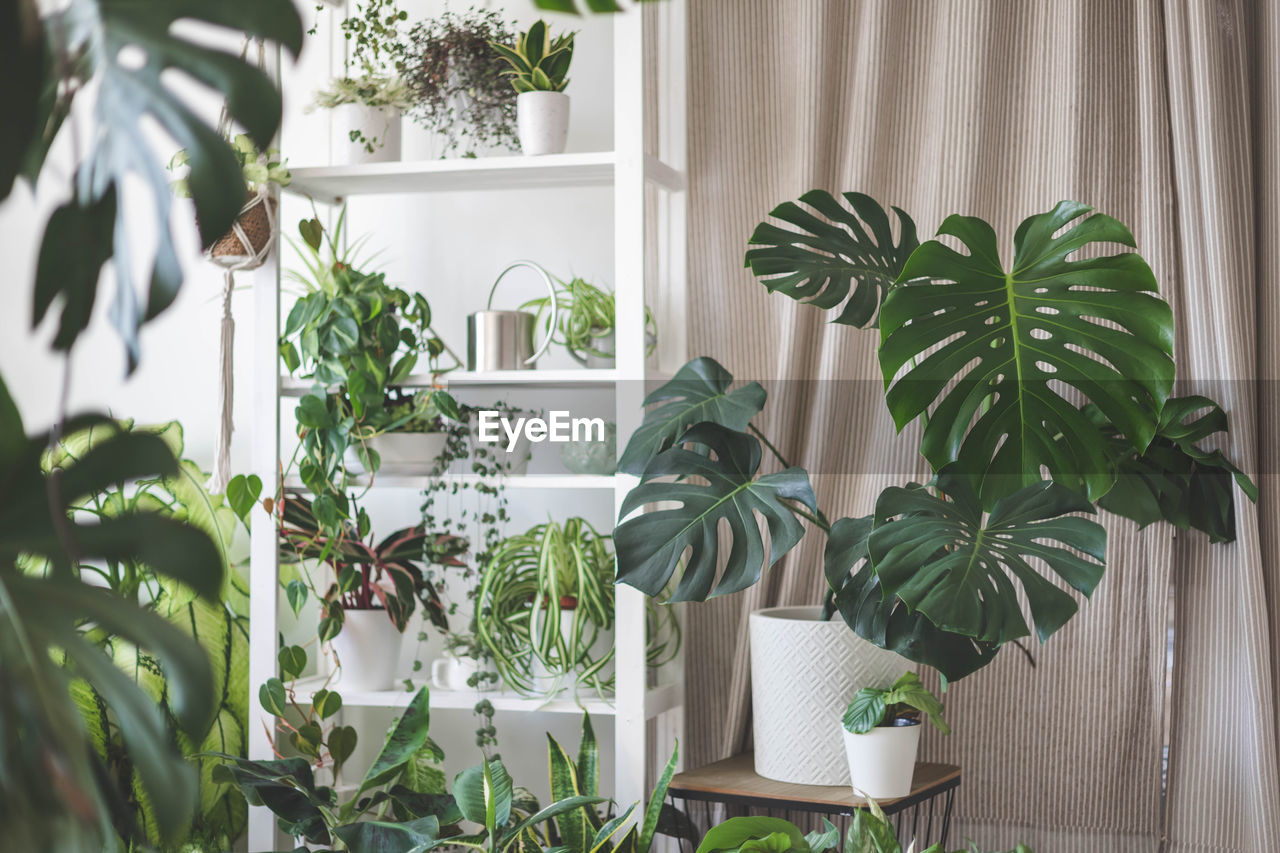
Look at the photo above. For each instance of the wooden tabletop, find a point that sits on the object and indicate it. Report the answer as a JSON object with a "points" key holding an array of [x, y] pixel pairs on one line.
{"points": [[735, 780]]}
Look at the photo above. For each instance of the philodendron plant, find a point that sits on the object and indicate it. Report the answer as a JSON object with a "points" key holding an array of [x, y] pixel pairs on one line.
{"points": [[906, 699], [869, 832], [1044, 391]]}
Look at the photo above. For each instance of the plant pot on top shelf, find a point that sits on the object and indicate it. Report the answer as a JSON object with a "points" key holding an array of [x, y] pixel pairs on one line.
{"points": [[539, 73], [804, 672], [366, 118]]}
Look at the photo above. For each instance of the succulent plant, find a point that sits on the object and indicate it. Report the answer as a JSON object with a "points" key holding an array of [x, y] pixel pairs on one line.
{"points": [[537, 66]]}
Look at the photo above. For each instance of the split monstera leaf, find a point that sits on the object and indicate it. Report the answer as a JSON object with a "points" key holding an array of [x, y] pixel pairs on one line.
{"points": [[1044, 390]]}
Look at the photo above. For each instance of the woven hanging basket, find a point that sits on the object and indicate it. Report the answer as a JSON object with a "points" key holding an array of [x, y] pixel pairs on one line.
{"points": [[246, 245]]}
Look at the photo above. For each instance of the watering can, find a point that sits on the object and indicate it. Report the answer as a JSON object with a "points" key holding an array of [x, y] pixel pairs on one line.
{"points": [[503, 340]]}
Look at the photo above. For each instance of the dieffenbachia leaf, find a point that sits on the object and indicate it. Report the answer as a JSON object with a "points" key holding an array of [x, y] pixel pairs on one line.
{"points": [[698, 392], [977, 341], [886, 621], [1175, 479], [650, 546], [832, 251], [944, 560]]}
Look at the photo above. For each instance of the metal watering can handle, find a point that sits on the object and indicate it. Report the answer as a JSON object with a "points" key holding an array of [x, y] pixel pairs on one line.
{"points": [[551, 291]]}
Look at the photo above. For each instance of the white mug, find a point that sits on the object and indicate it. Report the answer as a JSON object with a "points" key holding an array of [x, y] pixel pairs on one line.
{"points": [[450, 673]]}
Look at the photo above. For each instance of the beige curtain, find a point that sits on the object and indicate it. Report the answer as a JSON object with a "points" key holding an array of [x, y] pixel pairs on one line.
{"points": [[1163, 114]]}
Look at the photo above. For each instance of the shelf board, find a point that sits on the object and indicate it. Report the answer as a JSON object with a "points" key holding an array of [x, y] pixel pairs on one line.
{"points": [[462, 699], [333, 184], [419, 481], [573, 377]]}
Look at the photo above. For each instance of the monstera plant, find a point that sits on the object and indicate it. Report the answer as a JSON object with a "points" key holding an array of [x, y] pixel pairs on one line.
{"points": [[1044, 391]]}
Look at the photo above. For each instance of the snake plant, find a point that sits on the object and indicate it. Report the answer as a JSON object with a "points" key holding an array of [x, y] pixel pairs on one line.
{"points": [[536, 65]]}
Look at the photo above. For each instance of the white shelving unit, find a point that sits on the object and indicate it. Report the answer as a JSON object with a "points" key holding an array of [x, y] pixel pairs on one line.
{"points": [[648, 183]]}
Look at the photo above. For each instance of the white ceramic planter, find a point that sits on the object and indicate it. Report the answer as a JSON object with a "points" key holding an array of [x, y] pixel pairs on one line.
{"points": [[542, 119], [402, 452], [550, 682], [452, 673], [369, 649], [375, 123], [804, 672], [882, 761]]}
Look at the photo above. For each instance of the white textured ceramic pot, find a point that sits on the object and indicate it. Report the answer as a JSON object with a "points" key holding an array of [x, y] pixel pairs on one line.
{"points": [[401, 452], [882, 761], [379, 125], [368, 648], [542, 118], [804, 672]]}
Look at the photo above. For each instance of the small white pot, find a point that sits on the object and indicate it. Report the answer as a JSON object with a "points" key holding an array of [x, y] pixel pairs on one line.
{"points": [[542, 119], [882, 761], [369, 650], [804, 672], [374, 123], [550, 682], [453, 673], [517, 458]]}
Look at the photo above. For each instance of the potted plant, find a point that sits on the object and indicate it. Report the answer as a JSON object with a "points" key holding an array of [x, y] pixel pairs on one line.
{"points": [[544, 612], [539, 73], [407, 436], [461, 667], [990, 359], [882, 734], [366, 116], [506, 456], [374, 590], [585, 324], [247, 243], [357, 338], [460, 95]]}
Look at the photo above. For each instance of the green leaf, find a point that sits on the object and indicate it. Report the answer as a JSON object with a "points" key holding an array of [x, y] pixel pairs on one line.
{"points": [[546, 814], [23, 49], [446, 405], [650, 546], [1003, 347], [575, 828], [588, 765], [886, 621], [296, 594], [312, 233], [407, 737], [342, 742], [908, 690], [833, 251], [326, 703], [72, 273], [484, 794], [940, 558], [654, 811], [378, 836], [736, 831], [292, 660], [865, 712], [698, 392], [820, 842], [272, 697], [243, 493], [1175, 479]]}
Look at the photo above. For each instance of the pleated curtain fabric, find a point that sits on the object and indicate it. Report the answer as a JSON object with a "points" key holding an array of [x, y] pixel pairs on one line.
{"points": [[1165, 115]]}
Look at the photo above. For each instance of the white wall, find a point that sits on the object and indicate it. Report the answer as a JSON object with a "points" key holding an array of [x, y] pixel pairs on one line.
{"points": [[450, 247]]}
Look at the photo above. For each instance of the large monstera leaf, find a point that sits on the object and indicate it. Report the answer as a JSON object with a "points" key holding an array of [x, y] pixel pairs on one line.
{"points": [[126, 46], [833, 253], [649, 547], [885, 620], [1175, 479], [945, 562], [700, 391], [977, 340]]}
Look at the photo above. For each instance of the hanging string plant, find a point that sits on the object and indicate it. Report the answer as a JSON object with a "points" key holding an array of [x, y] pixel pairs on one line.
{"points": [[458, 83]]}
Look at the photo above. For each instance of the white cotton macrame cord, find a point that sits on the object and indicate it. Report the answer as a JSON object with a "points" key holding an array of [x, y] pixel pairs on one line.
{"points": [[249, 258]]}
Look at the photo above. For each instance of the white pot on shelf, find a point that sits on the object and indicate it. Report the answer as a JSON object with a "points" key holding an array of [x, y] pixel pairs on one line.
{"points": [[378, 124], [551, 682], [449, 672], [368, 647], [402, 452], [515, 461], [882, 761], [804, 672], [542, 119]]}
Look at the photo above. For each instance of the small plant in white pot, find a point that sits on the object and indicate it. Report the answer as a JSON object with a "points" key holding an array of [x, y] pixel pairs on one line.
{"points": [[366, 117], [409, 435], [539, 73], [882, 735], [585, 322]]}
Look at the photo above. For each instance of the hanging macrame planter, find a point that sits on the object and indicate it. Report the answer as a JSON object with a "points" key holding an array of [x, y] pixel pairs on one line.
{"points": [[245, 247]]}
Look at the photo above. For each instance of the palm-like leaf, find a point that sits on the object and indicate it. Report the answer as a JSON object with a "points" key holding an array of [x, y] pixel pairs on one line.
{"points": [[1011, 340], [833, 253], [941, 559], [1175, 479], [650, 546], [886, 621], [698, 392]]}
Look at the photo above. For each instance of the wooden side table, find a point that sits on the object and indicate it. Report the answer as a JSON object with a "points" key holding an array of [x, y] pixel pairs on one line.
{"points": [[924, 814]]}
